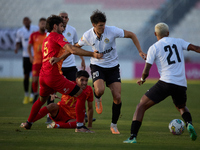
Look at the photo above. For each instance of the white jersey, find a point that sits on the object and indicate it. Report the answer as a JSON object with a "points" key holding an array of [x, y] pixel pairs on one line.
{"points": [[70, 34], [23, 35], [106, 45], [168, 56]]}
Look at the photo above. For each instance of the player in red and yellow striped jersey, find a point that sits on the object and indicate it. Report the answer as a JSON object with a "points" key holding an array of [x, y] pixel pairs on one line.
{"points": [[35, 40]]}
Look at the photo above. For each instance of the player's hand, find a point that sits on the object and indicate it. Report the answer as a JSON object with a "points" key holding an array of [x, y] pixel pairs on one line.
{"points": [[140, 82], [97, 55], [54, 96], [31, 59], [143, 55], [54, 60], [16, 51]]}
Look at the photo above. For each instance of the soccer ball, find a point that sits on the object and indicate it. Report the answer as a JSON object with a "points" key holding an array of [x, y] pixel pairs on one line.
{"points": [[176, 126]]}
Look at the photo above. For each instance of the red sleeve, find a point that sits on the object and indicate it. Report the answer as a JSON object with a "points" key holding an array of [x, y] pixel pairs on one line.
{"points": [[90, 96], [62, 40], [31, 39]]}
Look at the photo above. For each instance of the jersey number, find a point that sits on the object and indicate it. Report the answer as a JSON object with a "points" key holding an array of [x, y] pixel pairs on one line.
{"points": [[45, 49], [168, 48]]}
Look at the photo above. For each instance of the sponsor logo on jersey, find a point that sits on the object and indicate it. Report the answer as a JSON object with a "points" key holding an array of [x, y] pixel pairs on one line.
{"points": [[107, 51], [68, 34], [106, 40]]}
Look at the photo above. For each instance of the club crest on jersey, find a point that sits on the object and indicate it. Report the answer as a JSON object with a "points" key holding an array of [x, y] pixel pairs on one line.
{"points": [[68, 34], [106, 40], [64, 39]]}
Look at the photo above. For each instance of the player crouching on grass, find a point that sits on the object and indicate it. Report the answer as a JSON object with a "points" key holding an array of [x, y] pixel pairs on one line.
{"points": [[167, 53], [63, 113]]}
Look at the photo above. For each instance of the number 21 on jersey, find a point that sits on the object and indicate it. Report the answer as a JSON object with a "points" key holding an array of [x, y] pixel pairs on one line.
{"points": [[168, 48]]}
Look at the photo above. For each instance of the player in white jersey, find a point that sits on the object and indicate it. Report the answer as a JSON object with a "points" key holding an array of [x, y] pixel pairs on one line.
{"points": [[167, 53], [22, 36], [69, 66], [102, 38]]}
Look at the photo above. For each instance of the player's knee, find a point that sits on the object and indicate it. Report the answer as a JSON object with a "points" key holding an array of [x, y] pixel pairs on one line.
{"points": [[99, 91], [117, 98], [181, 106]]}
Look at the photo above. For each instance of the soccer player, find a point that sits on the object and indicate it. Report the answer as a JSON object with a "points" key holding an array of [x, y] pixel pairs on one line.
{"points": [[102, 38], [55, 48], [36, 39], [63, 113], [167, 53], [69, 66], [22, 36]]}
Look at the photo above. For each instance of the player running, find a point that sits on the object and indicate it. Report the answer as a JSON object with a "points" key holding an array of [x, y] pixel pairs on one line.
{"points": [[55, 49], [167, 53], [102, 38], [36, 39]]}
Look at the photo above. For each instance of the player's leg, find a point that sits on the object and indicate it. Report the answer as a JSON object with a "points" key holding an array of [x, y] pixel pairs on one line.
{"points": [[98, 78], [154, 95], [99, 88], [26, 71], [144, 104], [116, 108], [179, 98]]}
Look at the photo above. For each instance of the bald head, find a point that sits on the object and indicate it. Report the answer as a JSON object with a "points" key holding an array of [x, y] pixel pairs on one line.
{"points": [[64, 15], [161, 30]]}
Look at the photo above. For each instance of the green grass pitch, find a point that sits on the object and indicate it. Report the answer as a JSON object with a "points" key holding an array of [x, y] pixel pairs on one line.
{"points": [[154, 133]]}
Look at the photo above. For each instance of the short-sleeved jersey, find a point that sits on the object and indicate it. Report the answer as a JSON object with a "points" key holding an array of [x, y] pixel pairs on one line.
{"points": [[36, 39], [168, 56], [68, 102], [70, 34], [23, 35], [52, 47], [106, 45]]}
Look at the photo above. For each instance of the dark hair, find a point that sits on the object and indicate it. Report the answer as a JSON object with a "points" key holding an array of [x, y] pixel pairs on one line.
{"points": [[82, 73], [42, 19], [53, 19], [97, 16]]}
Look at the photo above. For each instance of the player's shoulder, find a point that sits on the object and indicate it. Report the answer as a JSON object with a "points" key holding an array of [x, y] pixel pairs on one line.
{"points": [[71, 27]]}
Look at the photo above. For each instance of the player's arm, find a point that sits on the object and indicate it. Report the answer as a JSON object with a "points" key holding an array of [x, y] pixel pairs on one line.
{"points": [[17, 46], [145, 73], [90, 114], [81, 57], [194, 48], [70, 49], [131, 35], [29, 53]]}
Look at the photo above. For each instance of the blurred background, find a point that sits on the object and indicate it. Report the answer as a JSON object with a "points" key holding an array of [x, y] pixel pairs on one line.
{"points": [[138, 16]]}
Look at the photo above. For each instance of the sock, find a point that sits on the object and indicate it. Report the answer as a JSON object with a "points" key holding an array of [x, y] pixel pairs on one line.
{"points": [[116, 112], [66, 125], [96, 96], [187, 118], [35, 87], [80, 107], [26, 84], [35, 109], [43, 111], [135, 126]]}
